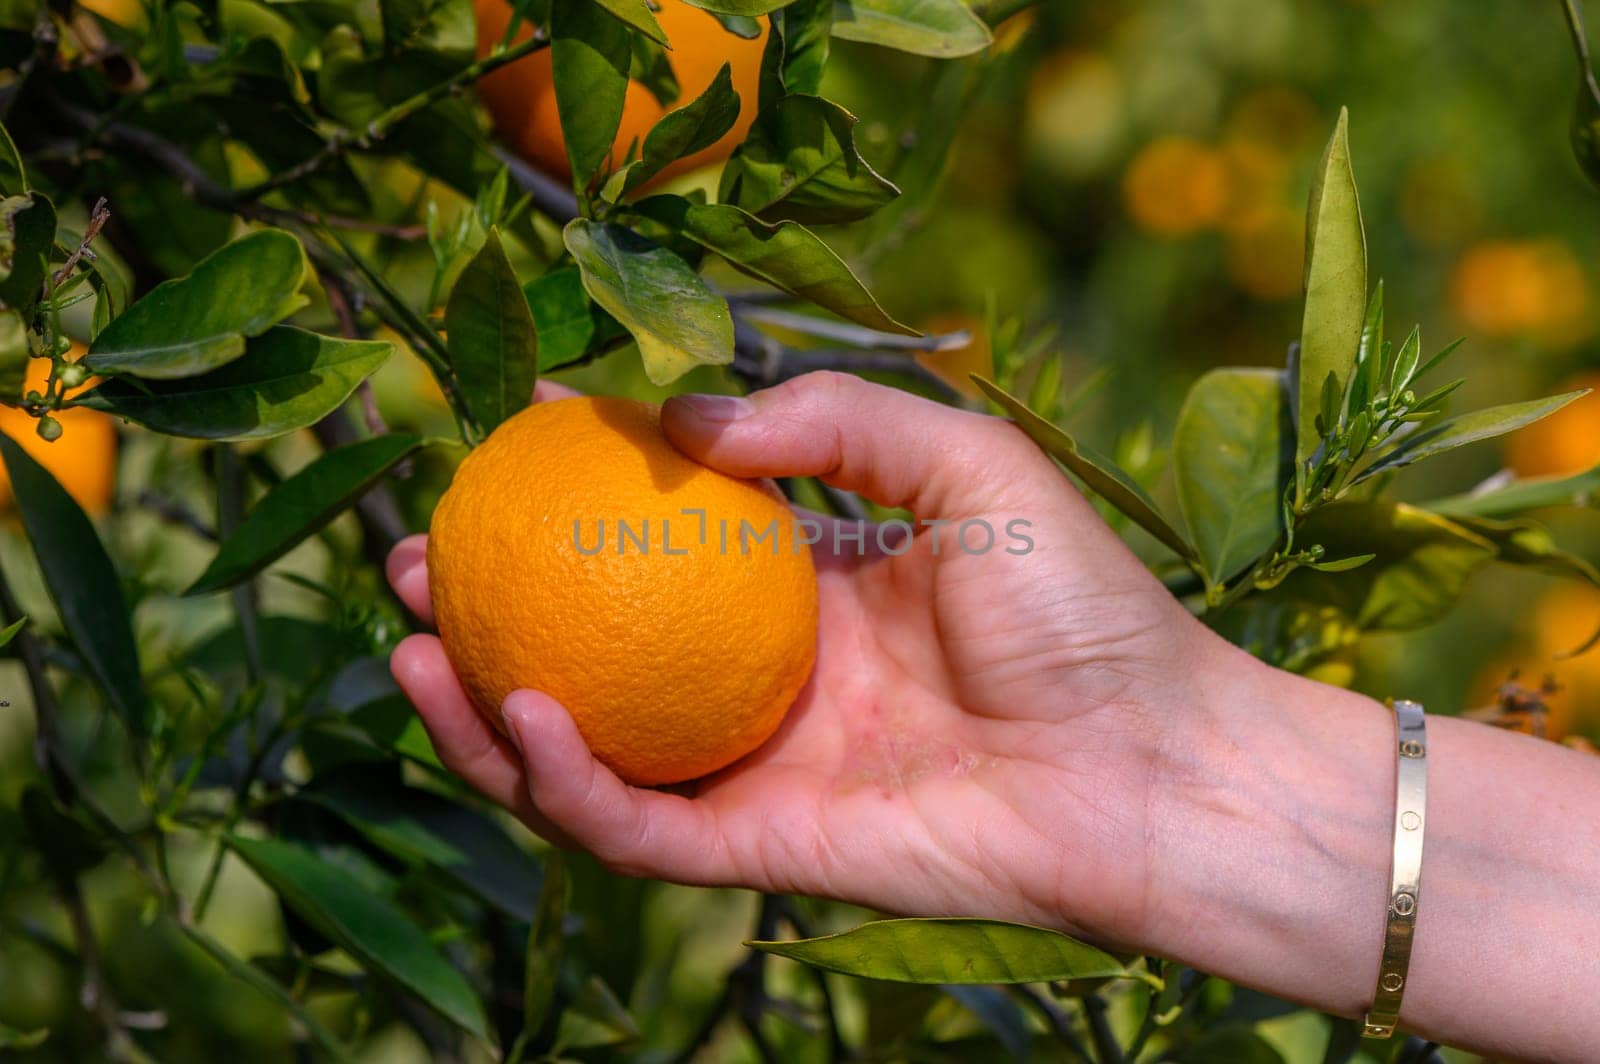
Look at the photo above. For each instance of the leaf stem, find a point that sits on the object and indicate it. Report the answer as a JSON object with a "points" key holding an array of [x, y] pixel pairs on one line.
{"points": [[1580, 44]]}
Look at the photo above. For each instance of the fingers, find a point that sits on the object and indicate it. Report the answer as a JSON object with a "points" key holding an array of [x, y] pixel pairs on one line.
{"points": [[636, 831], [546, 391], [466, 743], [891, 446], [407, 569]]}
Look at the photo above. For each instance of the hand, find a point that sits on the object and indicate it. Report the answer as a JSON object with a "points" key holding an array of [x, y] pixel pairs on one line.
{"points": [[981, 731]]}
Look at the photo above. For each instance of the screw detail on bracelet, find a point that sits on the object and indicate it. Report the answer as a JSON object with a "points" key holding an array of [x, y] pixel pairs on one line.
{"points": [[1405, 869]]}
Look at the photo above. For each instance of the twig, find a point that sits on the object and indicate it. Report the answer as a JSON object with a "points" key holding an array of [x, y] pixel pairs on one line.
{"points": [[1059, 1022], [385, 122], [97, 220], [549, 196], [174, 512], [855, 335]]}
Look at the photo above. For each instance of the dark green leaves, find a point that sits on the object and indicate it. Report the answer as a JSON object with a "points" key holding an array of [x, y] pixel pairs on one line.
{"points": [[799, 163], [546, 948], [82, 582], [297, 507], [1229, 453], [787, 256], [199, 322], [27, 233], [950, 951], [797, 50], [637, 14], [491, 337], [343, 909], [691, 128], [677, 321], [1336, 291], [1100, 474], [943, 29], [590, 55], [1522, 495], [569, 325], [286, 380]]}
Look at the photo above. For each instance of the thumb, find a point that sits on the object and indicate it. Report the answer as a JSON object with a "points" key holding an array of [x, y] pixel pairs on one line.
{"points": [[890, 446]]}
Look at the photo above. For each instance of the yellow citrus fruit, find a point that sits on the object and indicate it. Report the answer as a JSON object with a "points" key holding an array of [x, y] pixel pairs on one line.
{"points": [[521, 97], [83, 459], [1566, 442], [672, 609]]}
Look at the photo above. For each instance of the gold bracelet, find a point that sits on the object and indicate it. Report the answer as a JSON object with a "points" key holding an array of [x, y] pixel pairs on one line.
{"points": [[1405, 869]]}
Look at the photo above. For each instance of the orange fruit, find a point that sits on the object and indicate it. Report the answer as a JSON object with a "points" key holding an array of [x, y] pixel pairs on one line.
{"points": [[580, 554], [1566, 442], [83, 459], [1176, 186], [521, 97], [1533, 288]]}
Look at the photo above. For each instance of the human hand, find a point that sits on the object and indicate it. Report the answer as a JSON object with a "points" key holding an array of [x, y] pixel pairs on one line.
{"points": [[981, 731]]}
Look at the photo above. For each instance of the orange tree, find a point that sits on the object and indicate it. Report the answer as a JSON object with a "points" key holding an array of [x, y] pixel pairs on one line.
{"points": [[244, 211]]}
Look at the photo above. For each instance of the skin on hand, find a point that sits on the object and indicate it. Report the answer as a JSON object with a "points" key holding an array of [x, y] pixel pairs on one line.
{"points": [[990, 721]]}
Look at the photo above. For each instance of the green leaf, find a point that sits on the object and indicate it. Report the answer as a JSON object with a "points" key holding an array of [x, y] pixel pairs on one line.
{"points": [[950, 950], [1100, 474], [694, 127], [546, 947], [677, 321], [637, 14], [266, 985], [590, 57], [596, 1019], [787, 256], [1422, 565], [1405, 363], [744, 8], [82, 582], [444, 28], [1522, 495], [797, 50], [570, 327], [19, 1040], [423, 828], [68, 848], [491, 339], [368, 926], [799, 163], [651, 67], [999, 1012], [287, 379], [1228, 454], [10, 631], [1230, 1045], [1362, 386], [942, 29], [13, 175], [27, 235], [298, 507], [192, 324], [1531, 545], [1336, 289], [1468, 428]]}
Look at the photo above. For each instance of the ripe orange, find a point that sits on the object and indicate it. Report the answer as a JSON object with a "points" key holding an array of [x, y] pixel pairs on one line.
{"points": [[521, 97], [1566, 442], [1176, 186], [579, 553], [83, 459]]}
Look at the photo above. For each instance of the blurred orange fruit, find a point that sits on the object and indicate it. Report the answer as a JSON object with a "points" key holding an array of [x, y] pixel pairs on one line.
{"points": [[1522, 288], [1564, 443], [956, 365], [676, 654], [83, 459], [521, 97], [1175, 186]]}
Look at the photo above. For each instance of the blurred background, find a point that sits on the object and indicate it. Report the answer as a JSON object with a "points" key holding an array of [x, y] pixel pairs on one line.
{"points": [[1127, 188]]}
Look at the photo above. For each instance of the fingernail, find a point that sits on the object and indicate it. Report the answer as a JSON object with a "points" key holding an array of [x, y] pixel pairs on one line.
{"points": [[718, 408], [514, 722]]}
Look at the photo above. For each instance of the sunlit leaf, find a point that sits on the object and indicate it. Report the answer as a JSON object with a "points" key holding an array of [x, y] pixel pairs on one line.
{"points": [[191, 324], [1100, 474], [950, 950], [1520, 496], [787, 256], [677, 321], [570, 327], [81, 579], [943, 29], [1468, 428], [797, 50], [492, 344], [1335, 286], [299, 506], [799, 163], [691, 128], [1228, 454], [10, 631], [637, 14], [287, 379], [340, 907]]}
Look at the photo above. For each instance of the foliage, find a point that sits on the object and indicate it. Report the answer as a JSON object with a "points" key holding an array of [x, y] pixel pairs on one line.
{"points": [[296, 193]]}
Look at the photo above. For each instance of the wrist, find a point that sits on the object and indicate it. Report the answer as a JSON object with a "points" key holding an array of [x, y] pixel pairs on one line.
{"points": [[1269, 834]]}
